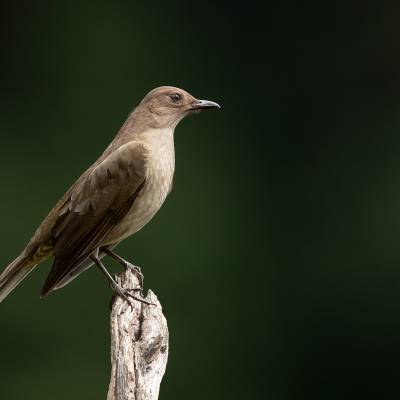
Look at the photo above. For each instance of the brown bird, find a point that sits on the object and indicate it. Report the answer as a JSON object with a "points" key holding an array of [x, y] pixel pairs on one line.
{"points": [[113, 199]]}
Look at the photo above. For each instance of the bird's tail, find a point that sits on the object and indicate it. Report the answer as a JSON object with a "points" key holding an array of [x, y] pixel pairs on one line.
{"points": [[13, 275]]}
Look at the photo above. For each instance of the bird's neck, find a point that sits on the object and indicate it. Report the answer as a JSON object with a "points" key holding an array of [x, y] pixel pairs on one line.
{"points": [[141, 129], [160, 143], [142, 119]]}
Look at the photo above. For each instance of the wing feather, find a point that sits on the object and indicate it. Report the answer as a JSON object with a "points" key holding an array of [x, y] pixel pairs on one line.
{"points": [[95, 206]]}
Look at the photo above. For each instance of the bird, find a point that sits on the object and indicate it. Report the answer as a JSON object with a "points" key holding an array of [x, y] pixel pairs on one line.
{"points": [[113, 199]]}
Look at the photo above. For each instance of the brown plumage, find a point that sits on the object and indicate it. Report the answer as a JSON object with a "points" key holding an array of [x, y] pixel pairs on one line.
{"points": [[113, 198]]}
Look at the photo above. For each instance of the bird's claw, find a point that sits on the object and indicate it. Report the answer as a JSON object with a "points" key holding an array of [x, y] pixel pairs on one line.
{"points": [[124, 293], [137, 271]]}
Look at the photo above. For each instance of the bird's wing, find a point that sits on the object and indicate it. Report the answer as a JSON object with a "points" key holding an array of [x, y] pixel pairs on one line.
{"points": [[95, 206]]}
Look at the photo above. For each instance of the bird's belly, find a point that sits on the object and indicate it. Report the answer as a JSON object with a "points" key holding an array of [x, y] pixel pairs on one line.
{"points": [[146, 205]]}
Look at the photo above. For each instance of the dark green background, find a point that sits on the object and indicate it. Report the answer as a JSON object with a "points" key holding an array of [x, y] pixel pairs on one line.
{"points": [[277, 256]]}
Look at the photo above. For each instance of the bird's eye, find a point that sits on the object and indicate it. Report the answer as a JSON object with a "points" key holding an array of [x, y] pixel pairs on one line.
{"points": [[175, 97]]}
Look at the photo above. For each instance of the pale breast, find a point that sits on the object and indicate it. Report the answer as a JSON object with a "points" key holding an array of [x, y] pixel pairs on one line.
{"points": [[159, 178]]}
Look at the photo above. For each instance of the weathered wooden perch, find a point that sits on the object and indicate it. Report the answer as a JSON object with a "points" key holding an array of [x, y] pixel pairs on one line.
{"points": [[139, 345]]}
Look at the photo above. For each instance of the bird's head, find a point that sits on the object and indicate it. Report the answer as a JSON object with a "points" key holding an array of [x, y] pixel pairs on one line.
{"points": [[166, 106]]}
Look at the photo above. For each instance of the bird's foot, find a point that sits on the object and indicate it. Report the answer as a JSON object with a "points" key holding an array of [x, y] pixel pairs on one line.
{"points": [[125, 264], [126, 295], [136, 270]]}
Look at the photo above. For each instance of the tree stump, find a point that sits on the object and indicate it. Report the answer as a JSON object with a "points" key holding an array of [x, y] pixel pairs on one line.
{"points": [[139, 344]]}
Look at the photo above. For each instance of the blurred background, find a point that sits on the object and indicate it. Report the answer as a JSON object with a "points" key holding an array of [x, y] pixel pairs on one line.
{"points": [[277, 255]]}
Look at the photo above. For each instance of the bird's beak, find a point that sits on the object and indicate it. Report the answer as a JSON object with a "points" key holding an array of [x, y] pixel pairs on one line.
{"points": [[203, 104]]}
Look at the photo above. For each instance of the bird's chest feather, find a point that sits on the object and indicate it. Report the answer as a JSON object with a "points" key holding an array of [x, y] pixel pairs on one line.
{"points": [[159, 177]]}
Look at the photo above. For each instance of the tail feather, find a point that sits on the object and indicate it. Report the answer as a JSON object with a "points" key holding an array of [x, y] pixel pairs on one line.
{"points": [[13, 276]]}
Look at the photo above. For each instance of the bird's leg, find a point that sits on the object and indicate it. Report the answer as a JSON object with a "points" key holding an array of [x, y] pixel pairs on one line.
{"points": [[114, 285], [125, 264]]}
